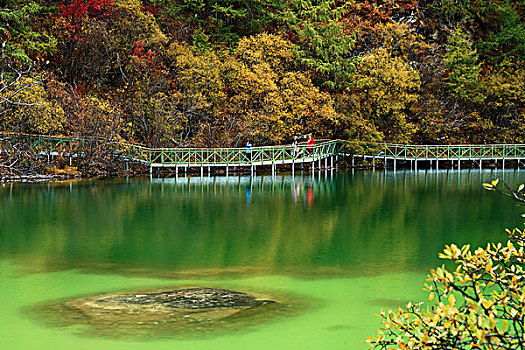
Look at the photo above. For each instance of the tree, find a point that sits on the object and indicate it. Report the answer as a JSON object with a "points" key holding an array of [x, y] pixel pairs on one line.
{"points": [[20, 40], [499, 25], [224, 21], [461, 61], [324, 46], [504, 87], [385, 88], [253, 93], [479, 305], [98, 39], [97, 124], [29, 110]]}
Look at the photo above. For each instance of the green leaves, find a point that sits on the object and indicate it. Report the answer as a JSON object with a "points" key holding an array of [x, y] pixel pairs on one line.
{"points": [[461, 61], [323, 43], [16, 31]]}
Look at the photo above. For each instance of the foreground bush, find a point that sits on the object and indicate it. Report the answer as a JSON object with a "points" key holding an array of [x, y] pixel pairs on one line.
{"points": [[479, 305]]}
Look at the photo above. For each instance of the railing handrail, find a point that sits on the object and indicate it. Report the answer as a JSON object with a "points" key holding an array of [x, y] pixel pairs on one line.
{"points": [[321, 148]]}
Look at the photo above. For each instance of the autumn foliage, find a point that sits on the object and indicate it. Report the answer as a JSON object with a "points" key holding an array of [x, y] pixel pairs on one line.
{"points": [[221, 73], [478, 305]]}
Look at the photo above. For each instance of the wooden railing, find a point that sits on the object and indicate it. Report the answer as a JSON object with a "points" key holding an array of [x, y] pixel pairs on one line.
{"points": [[263, 155], [68, 146], [419, 152]]}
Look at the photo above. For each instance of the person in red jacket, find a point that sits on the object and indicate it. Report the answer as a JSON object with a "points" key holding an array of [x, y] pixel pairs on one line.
{"points": [[311, 142]]}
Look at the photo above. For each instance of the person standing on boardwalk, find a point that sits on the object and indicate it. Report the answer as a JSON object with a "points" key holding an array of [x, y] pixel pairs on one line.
{"points": [[311, 141], [295, 146], [249, 151]]}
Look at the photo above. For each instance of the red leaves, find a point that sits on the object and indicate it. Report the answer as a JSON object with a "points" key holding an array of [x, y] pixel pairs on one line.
{"points": [[138, 51], [151, 9], [146, 58], [79, 10]]}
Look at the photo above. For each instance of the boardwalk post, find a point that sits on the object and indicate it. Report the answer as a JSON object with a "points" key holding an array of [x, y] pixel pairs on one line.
{"points": [[176, 171], [480, 164], [202, 171], [459, 164], [437, 164], [415, 164], [331, 162]]}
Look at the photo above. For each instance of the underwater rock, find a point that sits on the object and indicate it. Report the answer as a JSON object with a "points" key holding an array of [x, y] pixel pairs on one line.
{"points": [[199, 311], [190, 298]]}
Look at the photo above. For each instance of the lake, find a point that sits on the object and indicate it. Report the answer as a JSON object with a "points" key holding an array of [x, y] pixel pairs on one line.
{"points": [[332, 249]]}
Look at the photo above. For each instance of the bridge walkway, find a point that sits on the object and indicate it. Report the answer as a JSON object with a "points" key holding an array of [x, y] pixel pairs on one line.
{"points": [[323, 150]]}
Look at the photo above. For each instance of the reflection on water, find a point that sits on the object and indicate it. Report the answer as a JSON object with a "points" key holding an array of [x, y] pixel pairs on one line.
{"points": [[328, 224], [336, 247]]}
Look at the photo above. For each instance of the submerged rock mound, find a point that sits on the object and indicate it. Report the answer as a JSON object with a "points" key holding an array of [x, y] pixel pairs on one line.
{"points": [[198, 311], [189, 298]]}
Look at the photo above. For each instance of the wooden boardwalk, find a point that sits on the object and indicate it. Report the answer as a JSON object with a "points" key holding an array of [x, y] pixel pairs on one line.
{"points": [[436, 153], [271, 156], [321, 155]]}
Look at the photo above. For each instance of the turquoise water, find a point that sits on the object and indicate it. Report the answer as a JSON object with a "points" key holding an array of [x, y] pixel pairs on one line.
{"points": [[337, 247]]}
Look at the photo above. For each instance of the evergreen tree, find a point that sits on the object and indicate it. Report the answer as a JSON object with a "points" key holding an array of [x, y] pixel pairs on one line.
{"points": [[461, 60]]}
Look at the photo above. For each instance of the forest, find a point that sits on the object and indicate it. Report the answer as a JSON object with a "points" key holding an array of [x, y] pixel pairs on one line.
{"points": [[180, 73]]}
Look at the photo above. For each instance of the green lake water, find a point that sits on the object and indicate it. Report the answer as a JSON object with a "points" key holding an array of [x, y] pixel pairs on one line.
{"points": [[333, 249]]}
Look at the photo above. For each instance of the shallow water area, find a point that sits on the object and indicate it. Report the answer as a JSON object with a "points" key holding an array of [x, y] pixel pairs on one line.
{"points": [[334, 248]]}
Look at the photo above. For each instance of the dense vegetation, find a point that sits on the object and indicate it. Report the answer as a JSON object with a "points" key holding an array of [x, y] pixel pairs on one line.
{"points": [[220, 73]]}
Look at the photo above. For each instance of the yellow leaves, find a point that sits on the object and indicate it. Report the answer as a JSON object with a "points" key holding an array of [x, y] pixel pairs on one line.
{"points": [[386, 87], [268, 48], [488, 267], [452, 300], [488, 186], [399, 38], [491, 186], [487, 303], [32, 111], [136, 24], [250, 93], [485, 294]]}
